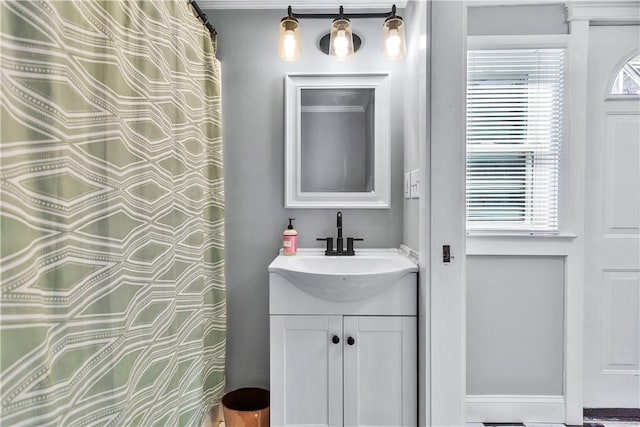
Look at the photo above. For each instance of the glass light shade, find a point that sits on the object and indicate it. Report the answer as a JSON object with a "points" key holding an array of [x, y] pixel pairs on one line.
{"points": [[289, 46], [393, 43], [341, 42]]}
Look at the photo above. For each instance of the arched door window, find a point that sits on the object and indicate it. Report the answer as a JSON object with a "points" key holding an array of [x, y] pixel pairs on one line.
{"points": [[627, 80]]}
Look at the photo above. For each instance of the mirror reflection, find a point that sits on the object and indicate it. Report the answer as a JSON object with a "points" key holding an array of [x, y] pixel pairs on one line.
{"points": [[337, 139]]}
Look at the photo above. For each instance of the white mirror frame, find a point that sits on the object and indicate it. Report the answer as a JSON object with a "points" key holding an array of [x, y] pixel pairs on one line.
{"points": [[380, 197]]}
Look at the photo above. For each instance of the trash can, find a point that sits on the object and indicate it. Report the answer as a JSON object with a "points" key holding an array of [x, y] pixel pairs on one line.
{"points": [[246, 407]]}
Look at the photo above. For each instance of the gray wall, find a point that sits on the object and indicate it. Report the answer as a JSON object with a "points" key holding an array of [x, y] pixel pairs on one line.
{"points": [[415, 114], [415, 229], [252, 89], [515, 325], [517, 20]]}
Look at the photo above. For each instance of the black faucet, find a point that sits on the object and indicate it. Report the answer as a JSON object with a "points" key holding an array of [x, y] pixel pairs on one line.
{"points": [[339, 225], [339, 251]]}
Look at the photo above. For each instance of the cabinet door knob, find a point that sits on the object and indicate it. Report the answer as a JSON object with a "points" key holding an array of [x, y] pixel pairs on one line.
{"points": [[350, 341], [335, 339]]}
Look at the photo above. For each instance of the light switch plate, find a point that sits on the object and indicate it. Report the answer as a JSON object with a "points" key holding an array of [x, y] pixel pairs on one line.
{"points": [[407, 185], [414, 184]]}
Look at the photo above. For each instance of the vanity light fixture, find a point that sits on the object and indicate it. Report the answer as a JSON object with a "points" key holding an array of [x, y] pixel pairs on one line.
{"points": [[341, 43]]}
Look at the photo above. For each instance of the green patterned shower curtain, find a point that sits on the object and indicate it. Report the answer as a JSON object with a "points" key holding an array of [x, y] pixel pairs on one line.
{"points": [[112, 302]]}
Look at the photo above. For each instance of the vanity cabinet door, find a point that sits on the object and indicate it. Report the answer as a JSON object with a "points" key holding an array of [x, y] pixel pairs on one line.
{"points": [[306, 371], [380, 371]]}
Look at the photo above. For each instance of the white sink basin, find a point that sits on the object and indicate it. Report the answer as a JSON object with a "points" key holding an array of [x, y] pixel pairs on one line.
{"points": [[343, 278]]}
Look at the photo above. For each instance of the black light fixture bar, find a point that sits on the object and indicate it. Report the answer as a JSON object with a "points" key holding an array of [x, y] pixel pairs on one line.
{"points": [[341, 14], [341, 43]]}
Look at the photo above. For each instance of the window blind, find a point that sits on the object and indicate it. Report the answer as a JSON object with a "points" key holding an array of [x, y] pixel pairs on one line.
{"points": [[515, 114]]}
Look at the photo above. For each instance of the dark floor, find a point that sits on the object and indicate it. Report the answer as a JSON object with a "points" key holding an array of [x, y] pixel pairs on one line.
{"points": [[586, 424]]}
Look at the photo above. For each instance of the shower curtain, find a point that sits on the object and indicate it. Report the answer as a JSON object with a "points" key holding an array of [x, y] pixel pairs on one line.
{"points": [[112, 292]]}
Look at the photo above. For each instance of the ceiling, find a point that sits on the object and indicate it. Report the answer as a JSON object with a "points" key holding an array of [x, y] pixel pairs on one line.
{"points": [[299, 4]]}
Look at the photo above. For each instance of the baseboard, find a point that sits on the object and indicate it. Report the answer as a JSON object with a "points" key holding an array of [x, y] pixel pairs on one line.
{"points": [[515, 408]]}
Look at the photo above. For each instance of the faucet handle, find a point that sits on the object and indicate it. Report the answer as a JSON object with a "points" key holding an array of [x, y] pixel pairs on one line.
{"points": [[329, 240], [350, 241]]}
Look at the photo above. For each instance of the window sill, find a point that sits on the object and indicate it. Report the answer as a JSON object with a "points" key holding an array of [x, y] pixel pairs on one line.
{"points": [[522, 234], [525, 244]]}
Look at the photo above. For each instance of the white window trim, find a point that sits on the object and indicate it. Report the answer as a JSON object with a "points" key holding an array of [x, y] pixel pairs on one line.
{"points": [[518, 42]]}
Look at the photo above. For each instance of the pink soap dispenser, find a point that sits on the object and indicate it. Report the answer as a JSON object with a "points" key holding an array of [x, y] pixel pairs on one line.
{"points": [[290, 239]]}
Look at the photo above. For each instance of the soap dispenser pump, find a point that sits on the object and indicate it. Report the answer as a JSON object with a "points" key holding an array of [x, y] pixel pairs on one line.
{"points": [[290, 239]]}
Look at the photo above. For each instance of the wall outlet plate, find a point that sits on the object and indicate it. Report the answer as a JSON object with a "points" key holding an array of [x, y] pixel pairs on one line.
{"points": [[415, 184], [407, 185]]}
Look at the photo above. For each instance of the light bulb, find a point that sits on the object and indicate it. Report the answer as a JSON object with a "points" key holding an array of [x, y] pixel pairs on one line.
{"points": [[393, 35], [393, 43], [341, 40], [289, 42], [341, 44], [289, 45]]}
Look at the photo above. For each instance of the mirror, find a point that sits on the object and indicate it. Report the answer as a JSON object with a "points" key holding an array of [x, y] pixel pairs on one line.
{"points": [[337, 141]]}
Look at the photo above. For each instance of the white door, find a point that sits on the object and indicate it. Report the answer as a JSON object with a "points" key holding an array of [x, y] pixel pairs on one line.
{"points": [[380, 371], [306, 371], [612, 233]]}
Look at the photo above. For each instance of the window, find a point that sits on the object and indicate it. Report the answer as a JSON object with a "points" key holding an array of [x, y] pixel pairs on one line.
{"points": [[627, 80], [515, 103]]}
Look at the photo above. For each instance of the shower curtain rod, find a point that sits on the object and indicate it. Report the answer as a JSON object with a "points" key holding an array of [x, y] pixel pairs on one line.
{"points": [[203, 17]]}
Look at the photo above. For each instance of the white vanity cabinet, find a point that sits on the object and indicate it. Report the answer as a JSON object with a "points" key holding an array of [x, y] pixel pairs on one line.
{"points": [[351, 363], [319, 379]]}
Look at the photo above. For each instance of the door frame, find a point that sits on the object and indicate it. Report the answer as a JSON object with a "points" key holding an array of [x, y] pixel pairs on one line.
{"points": [[442, 216]]}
